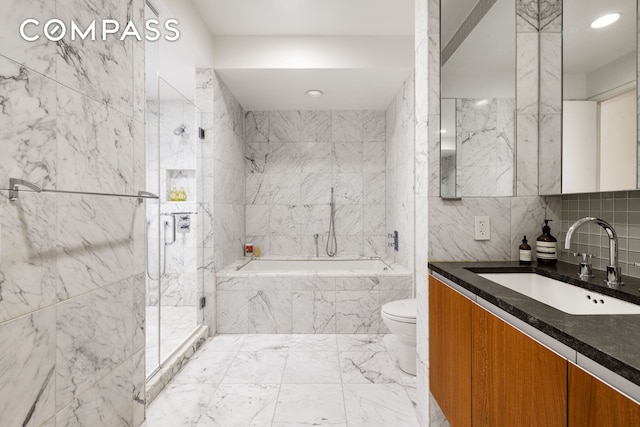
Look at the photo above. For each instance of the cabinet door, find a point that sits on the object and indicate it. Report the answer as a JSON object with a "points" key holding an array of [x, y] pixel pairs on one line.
{"points": [[594, 403], [516, 381], [450, 352]]}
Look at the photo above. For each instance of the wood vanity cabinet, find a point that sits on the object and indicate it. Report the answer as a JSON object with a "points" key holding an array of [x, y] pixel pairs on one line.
{"points": [[484, 372], [450, 352], [515, 380], [593, 403]]}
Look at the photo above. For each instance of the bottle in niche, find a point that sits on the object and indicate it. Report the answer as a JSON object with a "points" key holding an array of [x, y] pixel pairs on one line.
{"points": [[546, 251], [525, 252], [173, 195]]}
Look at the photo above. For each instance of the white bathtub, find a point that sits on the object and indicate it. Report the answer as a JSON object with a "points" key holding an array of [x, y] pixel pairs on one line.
{"points": [[368, 266]]}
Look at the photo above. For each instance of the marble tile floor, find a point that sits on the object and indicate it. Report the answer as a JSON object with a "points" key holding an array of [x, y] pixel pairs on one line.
{"points": [[289, 380], [177, 322]]}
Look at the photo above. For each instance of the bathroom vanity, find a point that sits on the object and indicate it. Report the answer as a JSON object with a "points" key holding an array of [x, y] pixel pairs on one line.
{"points": [[499, 357]]}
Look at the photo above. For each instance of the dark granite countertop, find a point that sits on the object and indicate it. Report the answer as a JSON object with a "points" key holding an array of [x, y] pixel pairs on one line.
{"points": [[611, 340]]}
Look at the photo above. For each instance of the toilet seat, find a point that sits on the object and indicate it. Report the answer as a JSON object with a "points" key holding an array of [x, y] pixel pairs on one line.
{"points": [[404, 310]]}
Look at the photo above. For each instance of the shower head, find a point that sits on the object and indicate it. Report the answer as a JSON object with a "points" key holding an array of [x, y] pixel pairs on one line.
{"points": [[180, 130]]}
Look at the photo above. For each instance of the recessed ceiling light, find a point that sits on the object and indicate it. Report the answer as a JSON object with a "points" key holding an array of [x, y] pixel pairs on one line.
{"points": [[605, 20], [443, 131], [314, 93], [482, 102]]}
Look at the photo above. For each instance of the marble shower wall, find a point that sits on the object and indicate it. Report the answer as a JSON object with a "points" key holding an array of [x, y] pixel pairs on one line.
{"points": [[172, 166], [293, 158], [221, 190], [399, 200], [72, 266], [485, 133]]}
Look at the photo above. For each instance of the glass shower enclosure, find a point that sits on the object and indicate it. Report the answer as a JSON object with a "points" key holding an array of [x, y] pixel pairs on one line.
{"points": [[172, 288]]}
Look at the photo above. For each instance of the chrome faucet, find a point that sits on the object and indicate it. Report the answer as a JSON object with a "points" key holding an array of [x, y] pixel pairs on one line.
{"points": [[614, 277]]}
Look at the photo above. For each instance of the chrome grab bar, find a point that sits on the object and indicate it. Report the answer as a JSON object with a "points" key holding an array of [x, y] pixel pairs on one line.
{"points": [[15, 183]]}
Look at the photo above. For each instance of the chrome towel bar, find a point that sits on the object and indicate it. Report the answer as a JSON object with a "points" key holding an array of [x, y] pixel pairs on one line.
{"points": [[16, 183]]}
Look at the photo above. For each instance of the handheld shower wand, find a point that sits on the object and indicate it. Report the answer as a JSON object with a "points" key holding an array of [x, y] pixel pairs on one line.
{"points": [[332, 243]]}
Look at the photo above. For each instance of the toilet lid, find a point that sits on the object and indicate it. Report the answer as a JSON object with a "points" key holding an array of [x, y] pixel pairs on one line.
{"points": [[404, 310]]}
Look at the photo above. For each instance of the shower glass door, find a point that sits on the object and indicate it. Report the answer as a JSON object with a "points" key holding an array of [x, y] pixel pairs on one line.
{"points": [[178, 288]]}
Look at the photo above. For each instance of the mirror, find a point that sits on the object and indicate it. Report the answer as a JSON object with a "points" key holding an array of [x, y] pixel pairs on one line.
{"points": [[599, 107], [478, 98]]}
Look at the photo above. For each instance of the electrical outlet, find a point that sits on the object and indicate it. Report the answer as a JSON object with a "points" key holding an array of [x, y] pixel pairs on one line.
{"points": [[483, 228]]}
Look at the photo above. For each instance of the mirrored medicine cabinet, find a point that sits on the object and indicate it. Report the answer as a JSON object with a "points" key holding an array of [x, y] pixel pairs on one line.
{"points": [[478, 98], [599, 97]]}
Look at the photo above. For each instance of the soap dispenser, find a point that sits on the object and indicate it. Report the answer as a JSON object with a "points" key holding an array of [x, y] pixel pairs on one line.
{"points": [[546, 251], [525, 252]]}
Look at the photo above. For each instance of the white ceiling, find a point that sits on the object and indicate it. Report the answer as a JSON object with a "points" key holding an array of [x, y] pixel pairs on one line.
{"points": [[269, 52]]}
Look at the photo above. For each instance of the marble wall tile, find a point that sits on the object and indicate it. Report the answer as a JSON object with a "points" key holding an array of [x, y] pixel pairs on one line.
{"points": [[106, 403], [38, 55], [284, 157], [27, 125], [27, 359], [456, 243], [80, 64], [374, 156], [550, 73], [29, 278], [364, 283], [550, 15], [257, 127], [374, 246], [374, 220], [315, 157], [232, 312], [346, 126], [373, 126], [93, 236], [257, 189], [270, 312], [86, 348], [527, 155], [550, 154], [314, 312], [356, 312], [527, 16], [139, 385], [300, 165], [306, 283], [257, 220], [285, 126], [346, 158], [284, 188], [527, 46], [95, 145], [315, 125]]}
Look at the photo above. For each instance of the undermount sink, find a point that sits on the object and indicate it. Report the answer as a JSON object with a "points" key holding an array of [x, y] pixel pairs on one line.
{"points": [[562, 296]]}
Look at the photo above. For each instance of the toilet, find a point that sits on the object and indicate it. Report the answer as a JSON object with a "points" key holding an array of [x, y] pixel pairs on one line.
{"points": [[400, 318]]}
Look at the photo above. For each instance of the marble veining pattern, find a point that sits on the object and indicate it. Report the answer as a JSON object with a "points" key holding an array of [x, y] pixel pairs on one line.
{"points": [[306, 303], [69, 311], [283, 380], [293, 159]]}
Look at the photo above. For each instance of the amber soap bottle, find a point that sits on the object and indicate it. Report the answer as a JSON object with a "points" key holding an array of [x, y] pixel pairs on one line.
{"points": [[546, 246]]}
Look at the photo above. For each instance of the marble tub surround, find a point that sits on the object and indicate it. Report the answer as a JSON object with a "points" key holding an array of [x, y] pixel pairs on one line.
{"points": [[595, 337], [293, 158], [314, 302], [269, 380], [71, 304]]}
